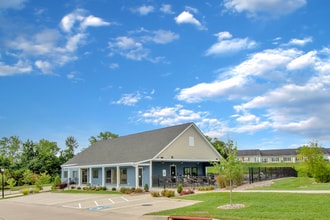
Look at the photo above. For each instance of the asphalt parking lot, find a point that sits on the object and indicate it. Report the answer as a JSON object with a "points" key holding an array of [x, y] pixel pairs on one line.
{"points": [[86, 206]]}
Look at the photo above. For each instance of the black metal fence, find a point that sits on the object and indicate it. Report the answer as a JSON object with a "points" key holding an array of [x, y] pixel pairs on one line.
{"points": [[257, 174]]}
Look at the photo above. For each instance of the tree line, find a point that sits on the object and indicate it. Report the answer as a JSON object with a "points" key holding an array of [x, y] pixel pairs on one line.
{"points": [[29, 161]]}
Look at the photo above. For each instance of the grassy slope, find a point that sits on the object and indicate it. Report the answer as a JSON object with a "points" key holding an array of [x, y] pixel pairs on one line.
{"points": [[301, 183]]}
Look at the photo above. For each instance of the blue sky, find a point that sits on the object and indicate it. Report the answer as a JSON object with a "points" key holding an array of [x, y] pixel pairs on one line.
{"points": [[254, 71]]}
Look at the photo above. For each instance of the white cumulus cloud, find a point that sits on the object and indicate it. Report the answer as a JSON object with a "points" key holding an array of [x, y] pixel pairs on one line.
{"points": [[271, 7]]}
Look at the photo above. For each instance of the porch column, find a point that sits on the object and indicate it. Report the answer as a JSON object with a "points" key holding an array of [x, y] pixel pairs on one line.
{"points": [[90, 175], [79, 176], [118, 177], [69, 175], [103, 174], [150, 174], [136, 176]]}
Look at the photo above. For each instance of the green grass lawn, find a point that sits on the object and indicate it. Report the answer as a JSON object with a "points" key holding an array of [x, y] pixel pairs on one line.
{"points": [[262, 205], [301, 183], [257, 206]]}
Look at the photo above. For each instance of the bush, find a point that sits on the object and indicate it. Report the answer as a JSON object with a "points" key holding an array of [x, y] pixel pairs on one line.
{"points": [[36, 190], [25, 191], [146, 188], [113, 189], [155, 194], [168, 193], [125, 190], [221, 181], [11, 183], [179, 188], [57, 181], [205, 188], [138, 190]]}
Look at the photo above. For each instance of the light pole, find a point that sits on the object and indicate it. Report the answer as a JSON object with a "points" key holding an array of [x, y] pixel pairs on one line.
{"points": [[3, 182]]}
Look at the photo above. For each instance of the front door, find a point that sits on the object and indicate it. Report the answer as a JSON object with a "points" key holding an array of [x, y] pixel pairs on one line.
{"points": [[173, 170], [140, 176], [84, 174]]}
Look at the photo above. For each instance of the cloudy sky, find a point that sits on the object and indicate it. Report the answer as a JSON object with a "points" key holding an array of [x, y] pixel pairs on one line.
{"points": [[254, 71]]}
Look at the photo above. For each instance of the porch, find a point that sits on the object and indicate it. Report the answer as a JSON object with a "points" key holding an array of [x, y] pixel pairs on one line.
{"points": [[185, 181]]}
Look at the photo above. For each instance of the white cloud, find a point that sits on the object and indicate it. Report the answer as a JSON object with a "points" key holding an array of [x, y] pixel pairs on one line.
{"points": [[135, 47], [206, 91], [164, 37], [18, 68], [74, 41], [273, 7], [170, 115], [144, 9], [300, 42], [70, 19], [79, 16], [302, 61], [223, 35], [44, 66], [49, 48], [227, 45], [12, 4], [166, 9], [187, 18], [129, 48], [167, 116], [300, 109], [92, 21], [267, 64], [129, 99]]}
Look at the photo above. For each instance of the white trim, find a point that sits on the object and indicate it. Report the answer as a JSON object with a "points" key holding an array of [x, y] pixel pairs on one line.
{"points": [[118, 177], [90, 175], [150, 174], [103, 176], [136, 176]]}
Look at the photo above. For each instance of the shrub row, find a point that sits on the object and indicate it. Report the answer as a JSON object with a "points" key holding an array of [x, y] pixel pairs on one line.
{"points": [[30, 191]]}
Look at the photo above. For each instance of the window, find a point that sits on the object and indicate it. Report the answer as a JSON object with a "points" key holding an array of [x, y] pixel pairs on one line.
{"points": [[275, 159], [187, 171], [111, 176], [194, 171], [123, 176], [286, 159], [74, 174], [65, 174], [246, 159], [264, 160], [95, 173], [108, 176], [191, 141]]}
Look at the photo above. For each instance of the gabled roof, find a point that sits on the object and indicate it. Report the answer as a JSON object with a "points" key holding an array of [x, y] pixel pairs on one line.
{"points": [[128, 149], [279, 152], [244, 153]]}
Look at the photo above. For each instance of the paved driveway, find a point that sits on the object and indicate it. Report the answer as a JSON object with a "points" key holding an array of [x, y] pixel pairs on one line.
{"points": [[62, 206]]}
